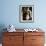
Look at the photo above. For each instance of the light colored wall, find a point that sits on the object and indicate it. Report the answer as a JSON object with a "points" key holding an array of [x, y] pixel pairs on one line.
{"points": [[10, 13]]}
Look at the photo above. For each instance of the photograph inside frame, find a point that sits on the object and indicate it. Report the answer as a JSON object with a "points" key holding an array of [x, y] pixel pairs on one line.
{"points": [[27, 13]]}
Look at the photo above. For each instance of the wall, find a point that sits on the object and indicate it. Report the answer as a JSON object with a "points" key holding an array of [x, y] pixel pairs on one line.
{"points": [[9, 13]]}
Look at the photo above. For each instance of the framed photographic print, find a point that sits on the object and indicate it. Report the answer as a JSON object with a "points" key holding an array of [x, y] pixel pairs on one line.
{"points": [[26, 13]]}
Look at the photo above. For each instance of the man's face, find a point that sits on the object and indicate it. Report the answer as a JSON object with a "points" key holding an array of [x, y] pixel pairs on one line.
{"points": [[25, 9]]}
